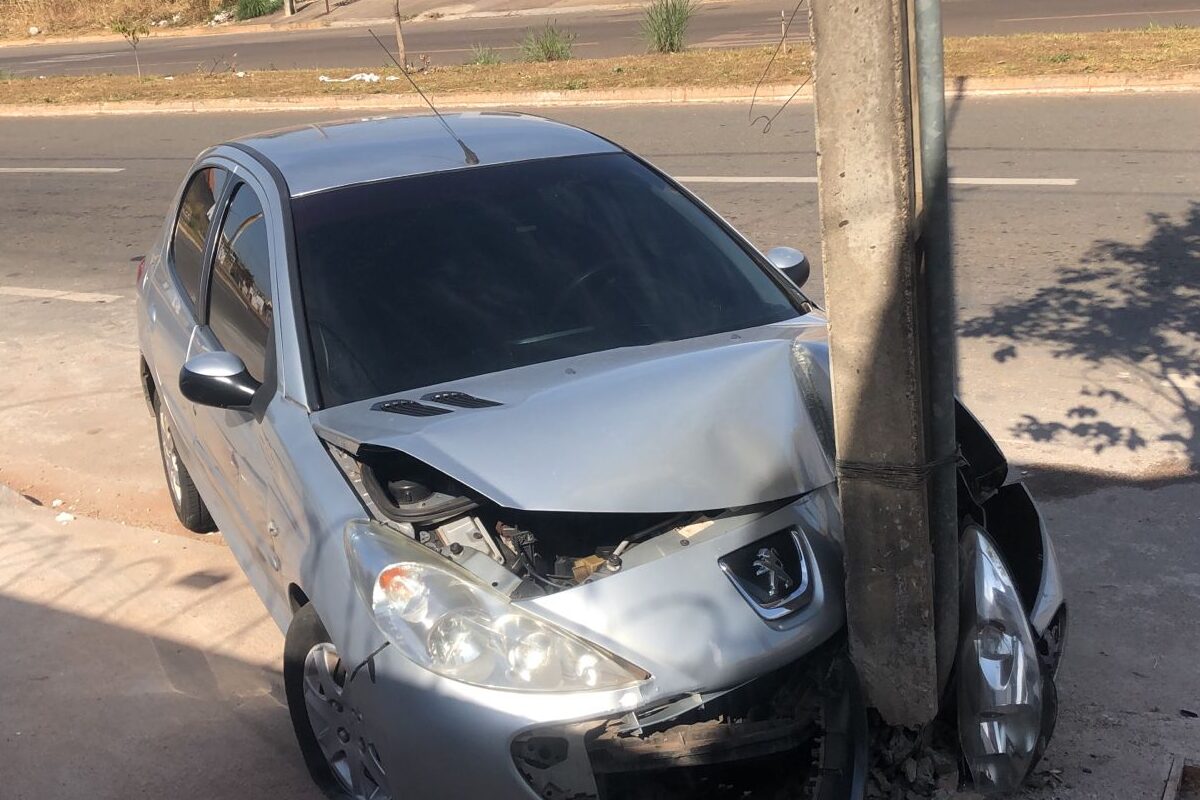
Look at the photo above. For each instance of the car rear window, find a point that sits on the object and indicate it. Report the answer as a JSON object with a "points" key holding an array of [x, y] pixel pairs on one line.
{"points": [[418, 281]]}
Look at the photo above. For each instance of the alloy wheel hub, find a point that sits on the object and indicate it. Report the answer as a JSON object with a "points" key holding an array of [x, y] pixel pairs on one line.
{"points": [[339, 728]]}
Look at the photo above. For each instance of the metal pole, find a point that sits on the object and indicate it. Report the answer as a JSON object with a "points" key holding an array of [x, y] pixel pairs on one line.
{"points": [[934, 247]]}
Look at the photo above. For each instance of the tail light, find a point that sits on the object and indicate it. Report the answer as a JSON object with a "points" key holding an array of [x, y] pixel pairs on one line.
{"points": [[141, 269]]}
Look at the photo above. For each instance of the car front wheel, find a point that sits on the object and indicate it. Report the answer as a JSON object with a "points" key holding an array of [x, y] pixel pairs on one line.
{"points": [[185, 497], [336, 746]]}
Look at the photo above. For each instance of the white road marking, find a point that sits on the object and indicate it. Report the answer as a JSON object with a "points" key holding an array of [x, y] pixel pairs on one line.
{"points": [[1014, 181], [730, 40], [737, 179], [1107, 14], [55, 294], [61, 170], [955, 181], [74, 58]]}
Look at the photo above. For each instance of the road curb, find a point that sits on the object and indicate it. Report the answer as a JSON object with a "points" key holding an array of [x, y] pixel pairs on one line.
{"points": [[961, 87]]}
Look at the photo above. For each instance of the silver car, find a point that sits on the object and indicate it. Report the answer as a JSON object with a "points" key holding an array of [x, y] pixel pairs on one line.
{"points": [[530, 455]]}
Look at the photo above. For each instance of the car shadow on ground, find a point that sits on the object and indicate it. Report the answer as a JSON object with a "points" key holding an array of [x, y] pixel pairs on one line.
{"points": [[1133, 307]]}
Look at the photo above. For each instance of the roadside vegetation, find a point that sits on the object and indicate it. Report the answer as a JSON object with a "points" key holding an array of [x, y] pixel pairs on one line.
{"points": [[664, 24], [482, 56], [1157, 52], [132, 29], [249, 9], [547, 43], [75, 16]]}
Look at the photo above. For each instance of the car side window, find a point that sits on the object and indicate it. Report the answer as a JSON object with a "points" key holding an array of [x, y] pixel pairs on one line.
{"points": [[239, 307], [191, 228]]}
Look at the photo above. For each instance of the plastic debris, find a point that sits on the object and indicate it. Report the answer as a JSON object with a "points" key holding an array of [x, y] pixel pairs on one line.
{"points": [[55, 503], [64, 517], [365, 77]]}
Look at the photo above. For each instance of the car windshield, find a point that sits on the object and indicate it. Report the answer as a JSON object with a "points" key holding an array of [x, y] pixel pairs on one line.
{"points": [[418, 281]]}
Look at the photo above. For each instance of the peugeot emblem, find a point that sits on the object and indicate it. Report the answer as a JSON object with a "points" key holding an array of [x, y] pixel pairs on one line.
{"points": [[767, 562]]}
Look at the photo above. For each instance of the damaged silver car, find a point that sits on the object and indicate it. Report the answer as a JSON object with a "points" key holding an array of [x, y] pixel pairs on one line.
{"points": [[529, 453]]}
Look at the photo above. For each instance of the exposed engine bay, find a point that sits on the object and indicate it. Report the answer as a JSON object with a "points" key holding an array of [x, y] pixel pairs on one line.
{"points": [[519, 552]]}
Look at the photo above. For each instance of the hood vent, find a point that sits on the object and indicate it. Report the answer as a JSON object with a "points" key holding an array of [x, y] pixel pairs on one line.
{"points": [[411, 408], [459, 399]]}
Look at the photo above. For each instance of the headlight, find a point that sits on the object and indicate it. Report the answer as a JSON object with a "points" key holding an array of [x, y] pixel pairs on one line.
{"points": [[1000, 681], [448, 623]]}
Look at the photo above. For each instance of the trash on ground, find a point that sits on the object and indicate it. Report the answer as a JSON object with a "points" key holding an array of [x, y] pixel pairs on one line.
{"points": [[365, 77]]}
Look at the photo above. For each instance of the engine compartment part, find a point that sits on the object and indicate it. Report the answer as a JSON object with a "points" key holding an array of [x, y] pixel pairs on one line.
{"points": [[405, 490], [546, 551], [463, 533]]}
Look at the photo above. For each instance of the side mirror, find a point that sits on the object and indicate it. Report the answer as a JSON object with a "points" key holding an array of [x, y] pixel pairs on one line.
{"points": [[217, 379], [791, 262]]}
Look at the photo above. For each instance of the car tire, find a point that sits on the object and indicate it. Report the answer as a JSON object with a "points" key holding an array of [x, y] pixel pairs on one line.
{"points": [[359, 774], [185, 497]]}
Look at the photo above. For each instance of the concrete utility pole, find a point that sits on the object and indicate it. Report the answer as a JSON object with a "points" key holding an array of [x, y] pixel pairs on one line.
{"points": [[289, 7], [893, 404]]}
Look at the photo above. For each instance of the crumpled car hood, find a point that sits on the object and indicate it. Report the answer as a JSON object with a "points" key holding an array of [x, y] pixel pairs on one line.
{"points": [[721, 421]]}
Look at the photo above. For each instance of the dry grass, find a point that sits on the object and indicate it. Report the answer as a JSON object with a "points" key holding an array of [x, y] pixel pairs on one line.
{"points": [[1145, 52], [699, 68], [80, 16]]}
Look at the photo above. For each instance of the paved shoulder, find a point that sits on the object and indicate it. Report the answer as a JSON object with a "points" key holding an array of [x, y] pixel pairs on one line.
{"points": [[142, 666]]}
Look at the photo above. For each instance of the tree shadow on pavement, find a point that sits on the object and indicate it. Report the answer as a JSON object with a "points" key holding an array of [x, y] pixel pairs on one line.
{"points": [[1133, 308]]}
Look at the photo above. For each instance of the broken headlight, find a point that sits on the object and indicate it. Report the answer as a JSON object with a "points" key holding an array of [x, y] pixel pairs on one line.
{"points": [[1000, 680], [443, 619]]}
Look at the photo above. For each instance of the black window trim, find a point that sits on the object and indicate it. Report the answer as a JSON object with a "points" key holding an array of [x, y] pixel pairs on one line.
{"points": [[262, 398], [308, 392], [209, 240], [210, 262]]}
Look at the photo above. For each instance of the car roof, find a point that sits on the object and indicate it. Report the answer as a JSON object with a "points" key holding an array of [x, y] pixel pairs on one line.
{"points": [[327, 155]]}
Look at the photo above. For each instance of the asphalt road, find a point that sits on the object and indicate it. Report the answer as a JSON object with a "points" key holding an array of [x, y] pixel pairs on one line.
{"points": [[1078, 267], [1076, 222], [731, 24]]}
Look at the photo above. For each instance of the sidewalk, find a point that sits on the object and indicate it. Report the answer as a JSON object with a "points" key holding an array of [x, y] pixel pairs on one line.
{"points": [[137, 665], [144, 665]]}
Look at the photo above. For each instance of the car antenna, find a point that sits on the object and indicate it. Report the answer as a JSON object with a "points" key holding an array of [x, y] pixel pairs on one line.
{"points": [[472, 159]]}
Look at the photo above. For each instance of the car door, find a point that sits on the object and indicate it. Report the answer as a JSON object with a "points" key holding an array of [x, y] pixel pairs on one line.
{"points": [[238, 317], [174, 303]]}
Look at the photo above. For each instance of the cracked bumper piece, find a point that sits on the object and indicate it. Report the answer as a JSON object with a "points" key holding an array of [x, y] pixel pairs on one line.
{"points": [[799, 730]]}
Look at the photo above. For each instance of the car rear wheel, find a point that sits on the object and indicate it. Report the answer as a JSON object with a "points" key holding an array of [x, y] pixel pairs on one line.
{"points": [[185, 497], [337, 749]]}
